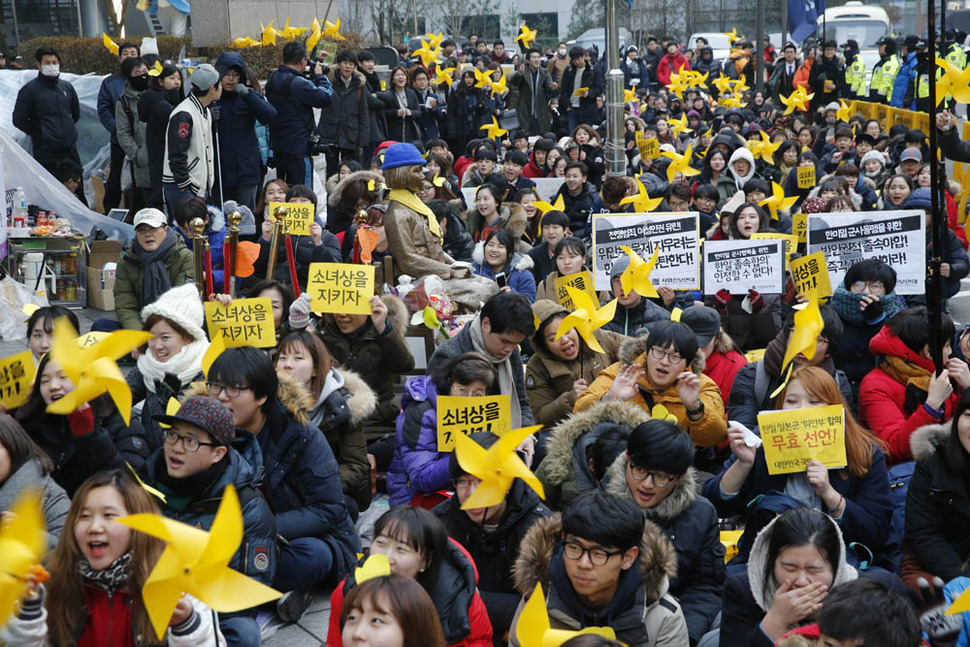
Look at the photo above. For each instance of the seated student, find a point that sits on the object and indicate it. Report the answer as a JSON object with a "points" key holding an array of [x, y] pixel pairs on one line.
{"points": [[560, 369], [495, 258], [633, 311], [857, 497], [172, 358], [90, 439], [483, 170], [843, 152], [154, 261], [456, 241], [659, 450], [903, 392], [340, 403], [578, 196], [795, 561], [192, 470], [354, 193], [40, 329], [98, 570], [527, 198], [602, 564], [417, 546], [491, 535], [512, 167], [489, 214], [390, 611], [569, 258], [611, 193], [320, 246], [537, 158], [664, 367], [281, 299], [555, 227], [722, 359], [756, 381], [302, 483], [188, 209]]}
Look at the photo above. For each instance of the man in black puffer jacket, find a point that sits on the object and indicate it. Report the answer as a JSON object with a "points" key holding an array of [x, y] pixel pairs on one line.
{"points": [[345, 126]]}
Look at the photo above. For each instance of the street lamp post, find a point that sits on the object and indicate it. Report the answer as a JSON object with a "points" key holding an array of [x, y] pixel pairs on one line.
{"points": [[615, 156]]}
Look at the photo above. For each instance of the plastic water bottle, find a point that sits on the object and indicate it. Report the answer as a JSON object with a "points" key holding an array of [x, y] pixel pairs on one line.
{"points": [[19, 211]]}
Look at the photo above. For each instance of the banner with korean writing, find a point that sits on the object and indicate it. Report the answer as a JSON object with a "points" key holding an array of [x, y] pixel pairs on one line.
{"points": [[582, 281], [341, 288], [675, 234], [805, 177], [649, 147], [795, 437], [741, 265], [16, 375], [244, 322], [791, 242], [299, 216], [811, 274], [461, 415], [799, 227], [895, 237]]}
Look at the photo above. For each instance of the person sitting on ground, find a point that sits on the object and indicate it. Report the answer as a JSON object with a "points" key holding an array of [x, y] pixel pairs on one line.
{"points": [[40, 329], [555, 226], [214, 230], [496, 258], [633, 311], [723, 359], [601, 563], [390, 602], [569, 258]]}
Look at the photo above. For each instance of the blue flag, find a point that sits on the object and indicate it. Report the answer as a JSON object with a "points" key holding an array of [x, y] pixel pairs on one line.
{"points": [[803, 17]]}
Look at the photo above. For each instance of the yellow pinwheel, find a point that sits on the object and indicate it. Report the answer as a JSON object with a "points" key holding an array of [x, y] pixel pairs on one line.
{"points": [[660, 412], [497, 467], [730, 101], [768, 148], [434, 40], [680, 164], [700, 80], [955, 82], [482, 79], [197, 562], [526, 36], [442, 76], [722, 83], [22, 547], [289, 33], [427, 53], [808, 326], [332, 29], [679, 126], [586, 317], [215, 350], [533, 628], [636, 276], [109, 43], [499, 87], [642, 202], [239, 43], [797, 100], [493, 130], [677, 85], [732, 35], [844, 111], [376, 565], [777, 200], [629, 96], [738, 86], [93, 369], [543, 206], [315, 35], [268, 34]]}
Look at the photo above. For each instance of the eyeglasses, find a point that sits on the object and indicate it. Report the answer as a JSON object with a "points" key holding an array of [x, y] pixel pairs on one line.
{"points": [[659, 353], [465, 484], [866, 286], [598, 556], [660, 479], [189, 443], [232, 391]]}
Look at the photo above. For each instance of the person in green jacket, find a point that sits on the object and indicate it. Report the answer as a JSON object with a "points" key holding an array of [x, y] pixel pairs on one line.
{"points": [[153, 262]]}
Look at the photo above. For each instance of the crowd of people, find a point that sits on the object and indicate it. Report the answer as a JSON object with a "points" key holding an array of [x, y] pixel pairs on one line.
{"points": [[628, 533]]}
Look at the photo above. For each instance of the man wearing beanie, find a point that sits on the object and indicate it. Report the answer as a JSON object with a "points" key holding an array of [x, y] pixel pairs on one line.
{"points": [[656, 473], [188, 167], [722, 357], [192, 470], [632, 310], [492, 535]]}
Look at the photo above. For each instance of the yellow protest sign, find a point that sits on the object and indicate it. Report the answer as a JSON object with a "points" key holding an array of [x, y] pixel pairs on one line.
{"points": [[811, 274], [299, 216], [582, 281], [461, 415], [795, 437], [805, 176], [341, 288], [730, 539], [799, 227], [580, 92], [244, 322], [16, 375], [649, 147], [791, 242]]}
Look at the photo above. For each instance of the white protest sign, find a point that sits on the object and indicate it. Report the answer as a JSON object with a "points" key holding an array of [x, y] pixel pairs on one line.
{"points": [[674, 233], [741, 265], [895, 237]]}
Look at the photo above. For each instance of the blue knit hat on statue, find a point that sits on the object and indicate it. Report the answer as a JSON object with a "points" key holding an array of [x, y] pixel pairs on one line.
{"points": [[401, 155]]}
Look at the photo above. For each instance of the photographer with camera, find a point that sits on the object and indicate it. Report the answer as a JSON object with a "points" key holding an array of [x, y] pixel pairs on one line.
{"points": [[294, 96]]}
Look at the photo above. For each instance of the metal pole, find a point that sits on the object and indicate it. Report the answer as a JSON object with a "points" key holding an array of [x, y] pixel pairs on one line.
{"points": [[759, 50], [16, 24], [615, 156], [934, 288]]}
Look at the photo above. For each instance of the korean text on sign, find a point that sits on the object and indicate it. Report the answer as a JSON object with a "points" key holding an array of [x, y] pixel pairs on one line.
{"points": [[244, 322], [811, 275], [674, 234], [795, 437], [299, 216], [460, 415], [341, 288], [16, 374], [741, 265], [582, 281]]}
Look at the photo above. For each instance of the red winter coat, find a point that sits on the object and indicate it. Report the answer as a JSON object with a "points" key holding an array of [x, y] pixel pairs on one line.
{"points": [[951, 219], [109, 620], [670, 64], [464, 626], [722, 368], [532, 170], [882, 398]]}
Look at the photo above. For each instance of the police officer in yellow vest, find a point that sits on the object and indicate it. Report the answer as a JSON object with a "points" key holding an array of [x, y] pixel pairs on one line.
{"points": [[921, 88], [955, 55], [884, 73], [853, 84]]}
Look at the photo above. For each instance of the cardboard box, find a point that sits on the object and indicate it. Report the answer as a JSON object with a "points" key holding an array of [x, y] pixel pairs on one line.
{"points": [[101, 283]]}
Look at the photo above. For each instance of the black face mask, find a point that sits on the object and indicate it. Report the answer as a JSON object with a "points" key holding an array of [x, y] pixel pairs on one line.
{"points": [[139, 83]]}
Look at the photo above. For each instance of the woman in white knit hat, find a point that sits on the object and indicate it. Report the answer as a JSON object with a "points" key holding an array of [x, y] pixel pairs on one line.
{"points": [[174, 355]]}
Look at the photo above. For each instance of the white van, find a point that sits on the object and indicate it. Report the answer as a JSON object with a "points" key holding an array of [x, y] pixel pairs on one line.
{"points": [[862, 23]]}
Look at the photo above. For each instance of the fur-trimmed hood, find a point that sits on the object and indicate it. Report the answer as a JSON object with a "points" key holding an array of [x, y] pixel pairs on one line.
{"points": [[521, 262], [362, 401], [558, 463], [333, 198], [292, 395], [512, 217], [928, 441], [680, 498], [333, 76], [657, 559], [633, 347]]}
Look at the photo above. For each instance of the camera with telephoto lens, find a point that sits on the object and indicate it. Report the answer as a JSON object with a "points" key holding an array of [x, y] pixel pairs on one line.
{"points": [[315, 146]]}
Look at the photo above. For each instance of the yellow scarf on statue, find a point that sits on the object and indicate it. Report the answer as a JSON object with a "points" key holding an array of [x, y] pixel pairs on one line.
{"points": [[412, 202]]}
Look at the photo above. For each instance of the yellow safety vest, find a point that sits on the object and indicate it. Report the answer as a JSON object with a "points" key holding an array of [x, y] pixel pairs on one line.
{"points": [[855, 77], [956, 56], [884, 75]]}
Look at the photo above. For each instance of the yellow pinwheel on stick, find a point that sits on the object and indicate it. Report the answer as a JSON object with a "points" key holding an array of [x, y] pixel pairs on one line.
{"points": [[642, 202], [315, 35], [289, 33], [534, 630], [636, 276], [722, 83], [442, 76], [803, 338], [544, 206], [497, 467], [197, 562], [844, 111], [493, 130], [526, 36], [239, 43], [955, 82], [268, 34], [109, 44], [332, 30], [586, 317], [22, 546], [376, 565], [778, 201], [680, 164], [797, 100], [679, 126]]}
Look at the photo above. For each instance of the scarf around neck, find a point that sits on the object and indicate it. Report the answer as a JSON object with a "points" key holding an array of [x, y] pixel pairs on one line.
{"points": [[110, 579], [179, 493], [847, 305], [412, 202], [186, 364], [506, 382], [155, 281]]}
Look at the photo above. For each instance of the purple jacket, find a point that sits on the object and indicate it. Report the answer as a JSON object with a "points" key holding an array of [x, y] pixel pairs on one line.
{"points": [[417, 465]]}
